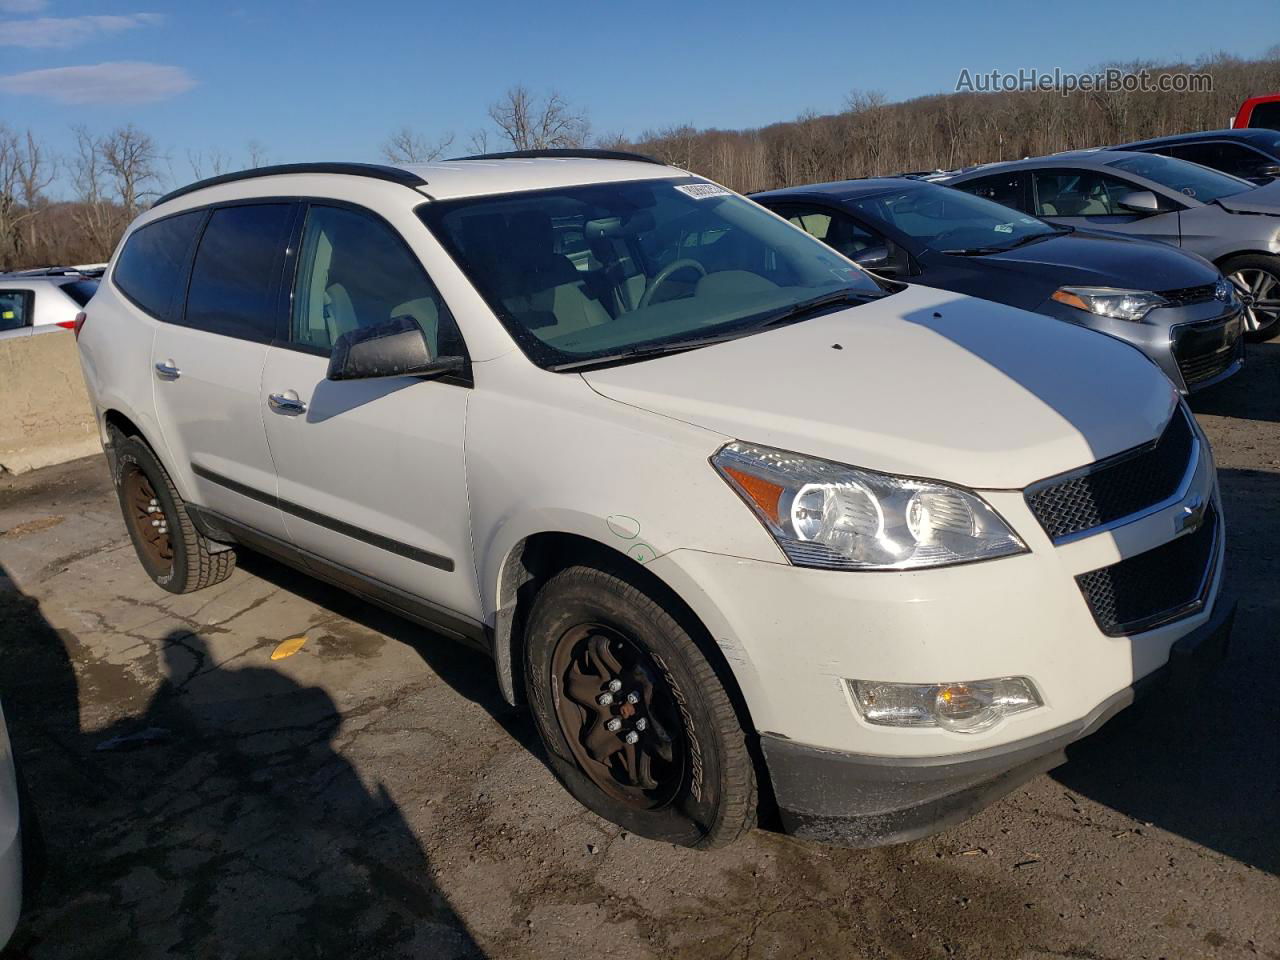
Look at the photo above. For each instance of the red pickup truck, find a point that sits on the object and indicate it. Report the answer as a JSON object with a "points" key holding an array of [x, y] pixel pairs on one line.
{"points": [[1261, 111]]}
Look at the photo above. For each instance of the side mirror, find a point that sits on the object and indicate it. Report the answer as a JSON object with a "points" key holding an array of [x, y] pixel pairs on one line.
{"points": [[873, 258], [396, 348], [1140, 201]]}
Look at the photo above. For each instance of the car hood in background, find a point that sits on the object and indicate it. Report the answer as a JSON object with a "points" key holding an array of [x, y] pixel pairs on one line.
{"points": [[1264, 199], [924, 383], [1106, 260]]}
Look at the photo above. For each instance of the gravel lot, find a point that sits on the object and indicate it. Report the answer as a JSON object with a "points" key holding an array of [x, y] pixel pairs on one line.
{"points": [[372, 796]]}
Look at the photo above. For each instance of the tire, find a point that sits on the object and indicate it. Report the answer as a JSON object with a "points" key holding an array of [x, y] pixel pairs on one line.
{"points": [[688, 779], [176, 555], [1257, 277]]}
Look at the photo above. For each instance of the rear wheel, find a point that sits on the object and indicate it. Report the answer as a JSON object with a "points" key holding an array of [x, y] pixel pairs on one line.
{"points": [[176, 555], [637, 723], [1257, 281]]}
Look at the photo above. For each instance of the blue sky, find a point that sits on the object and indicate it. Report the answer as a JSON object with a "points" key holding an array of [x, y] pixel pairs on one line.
{"points": [[319, 79]]}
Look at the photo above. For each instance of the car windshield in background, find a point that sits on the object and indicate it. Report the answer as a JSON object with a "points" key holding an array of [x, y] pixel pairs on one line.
{"points": [[951, 221], [1199, 183], [81, 291], [623, 270]]}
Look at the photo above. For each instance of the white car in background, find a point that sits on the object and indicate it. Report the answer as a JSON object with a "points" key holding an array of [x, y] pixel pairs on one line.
{"points": [[42, 302], [10, 842]]}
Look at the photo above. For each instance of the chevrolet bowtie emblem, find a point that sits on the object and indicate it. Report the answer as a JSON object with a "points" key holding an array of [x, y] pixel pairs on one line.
{"points": [[1191, 515]]}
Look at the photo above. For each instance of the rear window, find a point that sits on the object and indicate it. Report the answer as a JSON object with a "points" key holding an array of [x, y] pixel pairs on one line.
{"points": [[80, 290], [235, 278], [151, 264]]}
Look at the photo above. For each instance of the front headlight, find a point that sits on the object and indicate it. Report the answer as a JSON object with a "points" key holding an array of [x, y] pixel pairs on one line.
{"points": [[825, 514], [1110, 302]]}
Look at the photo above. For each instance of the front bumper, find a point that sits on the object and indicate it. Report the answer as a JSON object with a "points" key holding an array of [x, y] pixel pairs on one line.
{"points": [[1196, 346], [864, 801]]}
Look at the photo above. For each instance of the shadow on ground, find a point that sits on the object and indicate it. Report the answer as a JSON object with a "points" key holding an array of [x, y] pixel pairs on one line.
{"points": [[218, 821]]}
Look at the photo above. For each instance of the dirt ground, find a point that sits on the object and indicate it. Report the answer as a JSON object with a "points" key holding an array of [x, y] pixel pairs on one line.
{"points": [[372, 796]]}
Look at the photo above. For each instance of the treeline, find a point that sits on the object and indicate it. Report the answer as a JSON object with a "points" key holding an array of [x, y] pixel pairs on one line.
{"points": [[872, 137], [112, 176]]}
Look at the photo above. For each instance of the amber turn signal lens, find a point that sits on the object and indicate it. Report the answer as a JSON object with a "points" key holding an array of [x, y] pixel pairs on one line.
{"points": [[765, 495]]}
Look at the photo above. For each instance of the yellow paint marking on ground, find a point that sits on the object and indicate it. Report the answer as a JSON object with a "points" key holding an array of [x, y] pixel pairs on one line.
{"points": [[287, 648]]}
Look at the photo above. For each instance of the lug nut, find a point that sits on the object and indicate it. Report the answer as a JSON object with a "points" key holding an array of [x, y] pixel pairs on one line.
{"points": [[633, 697], [641, 724], [604, 699], [155, 523], [615, 686], [631, 736], [614, 725]]}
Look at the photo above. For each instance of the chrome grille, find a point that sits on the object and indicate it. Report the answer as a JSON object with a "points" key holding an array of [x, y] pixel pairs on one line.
{"points": [[1127, 484], [1159, 586]]}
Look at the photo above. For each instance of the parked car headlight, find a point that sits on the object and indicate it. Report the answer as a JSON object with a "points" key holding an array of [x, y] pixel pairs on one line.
{"points": [[829, 515], [1110, 302]]}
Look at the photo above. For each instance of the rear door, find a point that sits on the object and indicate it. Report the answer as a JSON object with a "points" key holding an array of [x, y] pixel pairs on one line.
{"points": [[207, 363], [371, 472], [1089, 200]]}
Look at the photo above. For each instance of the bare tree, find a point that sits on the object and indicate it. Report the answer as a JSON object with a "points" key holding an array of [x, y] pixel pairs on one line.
{"points": [[36, 171], [479, 141], [215, 162], [96, 217], [405, 146], [131, 162], [257, 154], [530, 123]]}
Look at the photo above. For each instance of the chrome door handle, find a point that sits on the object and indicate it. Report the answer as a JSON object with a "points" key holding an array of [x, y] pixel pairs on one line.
{"points": [[168, 370], [286, 402]]}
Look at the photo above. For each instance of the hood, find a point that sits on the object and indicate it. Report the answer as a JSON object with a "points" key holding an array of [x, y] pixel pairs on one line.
{"points": [[1086, 258], [1264, 199], [924, 383]]}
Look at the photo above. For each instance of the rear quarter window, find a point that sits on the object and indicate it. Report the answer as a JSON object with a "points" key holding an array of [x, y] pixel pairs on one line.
{"points": [[80, 290], [153, 261]]}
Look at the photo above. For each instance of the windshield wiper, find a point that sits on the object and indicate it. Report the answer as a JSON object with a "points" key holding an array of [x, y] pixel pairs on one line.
{"points": [[806, 308], [789, 315], [1030, 238]]}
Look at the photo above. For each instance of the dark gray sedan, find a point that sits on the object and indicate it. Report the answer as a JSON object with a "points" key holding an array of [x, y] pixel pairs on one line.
{"points": [[1173, 306], [1229, 221]]}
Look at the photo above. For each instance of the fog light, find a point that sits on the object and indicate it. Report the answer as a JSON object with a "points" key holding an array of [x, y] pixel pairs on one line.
{"points": [[963, 707]]}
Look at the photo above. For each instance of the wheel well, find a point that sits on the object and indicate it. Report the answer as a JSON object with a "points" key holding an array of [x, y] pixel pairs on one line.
{"points": [[537, 558], [116, 419], [1223, 260]]}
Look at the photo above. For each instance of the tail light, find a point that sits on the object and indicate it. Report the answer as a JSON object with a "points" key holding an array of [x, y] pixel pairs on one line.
{"points": [[78, 323]]}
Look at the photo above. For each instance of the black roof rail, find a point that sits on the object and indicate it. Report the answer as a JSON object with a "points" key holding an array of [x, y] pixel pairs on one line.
{"points": [[565, 153], [377, 171]]}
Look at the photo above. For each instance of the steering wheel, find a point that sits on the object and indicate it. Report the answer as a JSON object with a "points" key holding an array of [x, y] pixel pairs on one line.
{"points": [[664, 275]]}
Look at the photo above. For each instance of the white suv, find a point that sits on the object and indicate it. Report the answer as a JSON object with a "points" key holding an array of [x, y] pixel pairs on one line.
{"points": [[720, 505]]}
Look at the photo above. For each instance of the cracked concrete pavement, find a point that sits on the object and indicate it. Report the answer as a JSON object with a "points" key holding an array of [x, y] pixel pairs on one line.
{"points": [[372, 796]]}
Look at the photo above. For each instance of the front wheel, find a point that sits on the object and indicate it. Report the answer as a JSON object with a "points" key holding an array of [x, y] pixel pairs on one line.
{"points": [[637, 723], [1257, 281]]}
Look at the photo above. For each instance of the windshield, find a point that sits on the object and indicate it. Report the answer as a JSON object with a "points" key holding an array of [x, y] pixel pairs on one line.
{"points": [[946, 219], [593, 271], [1199, 183]]}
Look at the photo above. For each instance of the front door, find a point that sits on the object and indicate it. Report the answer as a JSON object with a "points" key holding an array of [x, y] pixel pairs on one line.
{"points": [[207, 364], [1088, 200], [371, 472]]}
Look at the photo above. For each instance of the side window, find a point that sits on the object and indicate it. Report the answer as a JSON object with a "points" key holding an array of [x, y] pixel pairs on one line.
{"points": [[151, 265], [1266, 115], [15, 309], [1002, 188], [236, 273], [1232, 158], [841, 233], [1079, 193], [355, 271]]}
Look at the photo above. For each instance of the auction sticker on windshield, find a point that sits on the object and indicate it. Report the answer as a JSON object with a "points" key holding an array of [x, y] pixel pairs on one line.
{"points": [[703, 191]]}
